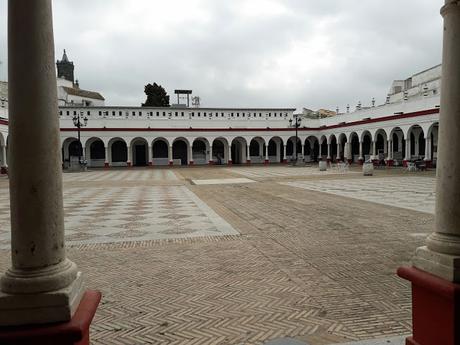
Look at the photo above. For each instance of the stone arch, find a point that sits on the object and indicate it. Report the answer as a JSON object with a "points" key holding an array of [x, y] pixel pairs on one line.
{"points": [[323, 148], [292, 149], [139, 151], [238, 149], [311, 149], [220, 151], [275, 150], [181, 151], [71, 151], [342, 153], [200, 151], [94, 149], [432, 145], [257, 149], [160, 151], [416, 146], [332, 141], [366, 140], [381, 144], [118, 152]]}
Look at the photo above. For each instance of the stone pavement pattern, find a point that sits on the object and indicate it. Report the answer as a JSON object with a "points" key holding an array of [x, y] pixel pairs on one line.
{"points": [[286, 171], [308, 265], [413, 193]]}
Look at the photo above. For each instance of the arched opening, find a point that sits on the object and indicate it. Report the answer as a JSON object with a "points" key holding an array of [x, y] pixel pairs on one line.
{"points": [[257, 150], [219, 151], [417, 143], [180, 153], [432, 154], [239, 151], [398, 145], [311, 150], [139, 152], [199, 152], [293, 151], [160, 152], [381, 146], [342, 153], [354, 147], [323, 147], [333, 142], [119, 152], [71, 151], [367, 146], [96, 156], [275, 151]]}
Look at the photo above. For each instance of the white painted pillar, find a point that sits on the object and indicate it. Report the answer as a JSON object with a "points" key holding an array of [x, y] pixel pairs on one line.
{"points": [[170, 155], [229, 160], [266, 154], [190, 160], [427, 149], [320, 153], [361, 157], [285, 152], [210, 157], [278, 151], [417, 147], [441, 257], [374, 149], [408, 153], [303, 150], [4, 159], [390, 149], [130, 156], [349, 153], [248, 153], [328, 151], [43, 285], [106, 160], [338, 152], [150, 155]]}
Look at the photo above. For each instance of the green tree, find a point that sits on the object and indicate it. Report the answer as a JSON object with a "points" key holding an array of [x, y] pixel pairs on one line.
{"points": [[156, 96]]}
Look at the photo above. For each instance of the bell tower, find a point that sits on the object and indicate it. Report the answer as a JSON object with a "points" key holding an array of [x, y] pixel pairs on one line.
{"points": [[65, 68]]}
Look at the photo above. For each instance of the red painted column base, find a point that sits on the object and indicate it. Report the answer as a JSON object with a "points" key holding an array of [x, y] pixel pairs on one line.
{"points": [[405, 163], [360, 161], [74, 332], [229, 162], [211, 162], [435, 308], [106, 165], [328, 160], [3, 170], [375, 162], [285, 161], [390, 162], [350, 161], [248, 161], [150, 164], [267, 162], [171, 163], [129, 164], [429, 164], [191, 163]]}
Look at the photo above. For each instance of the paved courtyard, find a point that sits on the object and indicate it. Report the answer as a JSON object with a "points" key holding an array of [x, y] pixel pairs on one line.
{"points": [[294, 253]]}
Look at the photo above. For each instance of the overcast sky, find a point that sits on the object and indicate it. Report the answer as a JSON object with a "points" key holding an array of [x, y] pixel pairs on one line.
{"points": [[245, 53]]}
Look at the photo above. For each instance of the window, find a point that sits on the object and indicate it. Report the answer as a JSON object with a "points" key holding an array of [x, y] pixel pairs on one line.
{"points": [[134, 113], [176, 114], [269, 114], [260, 114], [120, 113], [140, 113], [182, 114], [113, 113], [199, 114], [75, 113], [232, 114], [164, 114], [204, 114], [60, 112], [222, 114], [237, 114], [158, 113], [100, 113], [193, 114], [88, 113]]}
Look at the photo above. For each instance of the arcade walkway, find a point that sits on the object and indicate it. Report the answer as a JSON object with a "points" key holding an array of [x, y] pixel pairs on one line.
{"points": [[256, 272]]}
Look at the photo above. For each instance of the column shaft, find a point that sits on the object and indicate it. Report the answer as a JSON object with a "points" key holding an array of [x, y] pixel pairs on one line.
{"points": [[4, 159], [328, 151], [170, 155], [210, 159]]}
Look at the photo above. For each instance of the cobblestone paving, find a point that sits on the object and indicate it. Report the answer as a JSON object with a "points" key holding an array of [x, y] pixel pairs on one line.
{"points": [[413, 193], [306, 264]]}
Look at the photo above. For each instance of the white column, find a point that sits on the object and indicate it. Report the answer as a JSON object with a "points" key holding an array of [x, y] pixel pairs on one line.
{"points": [[4, 160], [266, 154], [43, 285], [374, 150], [170, 155], [106, 160], [338, 152], [349, 153], [427, 149], [130, 156], [361, 157], [229, 160], [390, 149], [210, 159], [278, 151], [320, 153], [190, 155], [303, 150], [285, 152], [441, 257], [150, 155], [408, 153], [328, 151], [248, 153]]}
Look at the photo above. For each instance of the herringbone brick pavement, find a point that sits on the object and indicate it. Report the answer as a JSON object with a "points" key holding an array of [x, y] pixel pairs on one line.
{"points": [[309, 265]]}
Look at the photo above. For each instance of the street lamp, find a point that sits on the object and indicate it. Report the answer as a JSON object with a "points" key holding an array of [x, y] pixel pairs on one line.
{"points": [[80, 121], [298, 120]]}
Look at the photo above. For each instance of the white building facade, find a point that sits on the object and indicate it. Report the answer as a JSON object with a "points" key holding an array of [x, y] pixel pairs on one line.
{"points": [[405, 128]]}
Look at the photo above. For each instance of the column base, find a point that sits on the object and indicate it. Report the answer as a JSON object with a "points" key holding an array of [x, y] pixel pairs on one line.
{"points": [[390, 162], [171, 163], [404, 163], [150, 164], [211, 163], [229, 162], [248, 161], [267, 162], [39, 308], [129, 164], [106, 165], [73, 332], [375, 162], [361, 161], [350, 161], [285, 161], [3, 170], [429, 164], [435, 308], [328, 160], [191, 163]]}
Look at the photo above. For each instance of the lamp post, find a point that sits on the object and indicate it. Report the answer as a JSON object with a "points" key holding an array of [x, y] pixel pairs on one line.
{"points": [[80, 121], [297, 120]]}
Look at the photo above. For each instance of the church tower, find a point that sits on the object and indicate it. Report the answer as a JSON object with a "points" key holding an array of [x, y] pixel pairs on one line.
{"points": [[65, 68]]}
